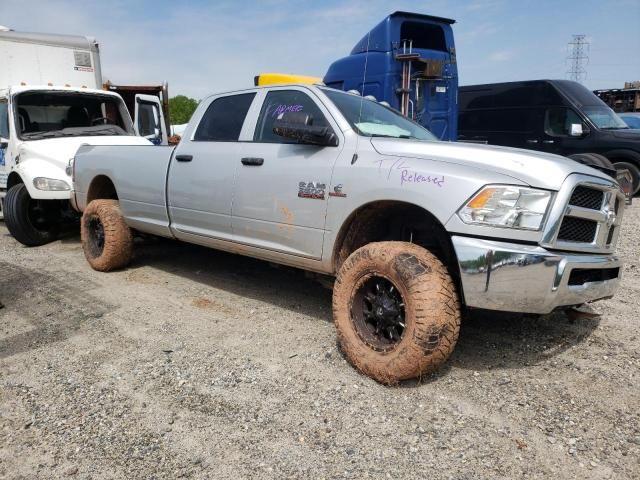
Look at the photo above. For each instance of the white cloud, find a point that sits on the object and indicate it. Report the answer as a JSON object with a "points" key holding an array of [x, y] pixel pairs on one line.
{"points": [[502, 56]]}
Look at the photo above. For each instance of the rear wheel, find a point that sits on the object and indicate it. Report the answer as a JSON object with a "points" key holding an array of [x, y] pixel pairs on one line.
{"points": [[106, 238], [396, 311], [31, 222]]}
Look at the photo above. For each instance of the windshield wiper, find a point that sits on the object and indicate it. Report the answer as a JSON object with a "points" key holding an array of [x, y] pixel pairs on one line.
{"points": [[389, 136], [50, 134]]}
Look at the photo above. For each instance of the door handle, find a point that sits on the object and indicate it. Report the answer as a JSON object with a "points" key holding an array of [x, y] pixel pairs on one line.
{"points": [[252, 161], [548, 141], [184, 158], [532, 141]]}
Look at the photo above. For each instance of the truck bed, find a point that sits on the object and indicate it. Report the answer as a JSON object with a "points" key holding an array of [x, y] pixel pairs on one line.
{"points": [[139, 174]]}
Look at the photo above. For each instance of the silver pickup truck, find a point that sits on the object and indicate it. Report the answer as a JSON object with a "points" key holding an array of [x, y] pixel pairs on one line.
{"points": [[413, 229]]}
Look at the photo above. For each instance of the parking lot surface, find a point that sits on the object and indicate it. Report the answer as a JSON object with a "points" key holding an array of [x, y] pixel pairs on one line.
{"points": [[200, 364]]}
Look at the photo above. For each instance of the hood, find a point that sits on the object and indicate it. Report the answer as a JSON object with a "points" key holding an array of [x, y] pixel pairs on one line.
{"points": [[537, 169], [58, 151]]}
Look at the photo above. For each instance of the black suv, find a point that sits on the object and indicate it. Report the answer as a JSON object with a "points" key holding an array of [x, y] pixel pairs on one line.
{"points": [[555, 116]]}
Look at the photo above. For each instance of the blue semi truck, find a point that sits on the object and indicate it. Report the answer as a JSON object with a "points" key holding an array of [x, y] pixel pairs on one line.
{"points": [[409, 61]]}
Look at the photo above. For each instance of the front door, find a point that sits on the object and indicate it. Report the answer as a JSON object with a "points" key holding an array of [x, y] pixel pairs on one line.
{"points": [[204, 168], [561, 132], [281, 195], [149, 120]]}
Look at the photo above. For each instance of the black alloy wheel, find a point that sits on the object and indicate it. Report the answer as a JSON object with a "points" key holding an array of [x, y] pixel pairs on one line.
{"points": [[378, 313]]}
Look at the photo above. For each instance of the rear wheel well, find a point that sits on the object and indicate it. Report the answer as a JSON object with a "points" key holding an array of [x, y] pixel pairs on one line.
{"points": [[392, 220], [101, 188]]}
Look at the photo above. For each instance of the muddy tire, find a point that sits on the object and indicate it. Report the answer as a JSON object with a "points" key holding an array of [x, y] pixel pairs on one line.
{"points": [[396, 310], [31, 222], [106, 238]]}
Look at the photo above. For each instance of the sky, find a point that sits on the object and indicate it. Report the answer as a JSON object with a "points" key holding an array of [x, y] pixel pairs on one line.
{"points": [[202, 47]]}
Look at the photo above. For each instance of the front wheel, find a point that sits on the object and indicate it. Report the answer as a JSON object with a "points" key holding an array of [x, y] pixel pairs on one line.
{"points": [[396, 310], [31, 222], [106, 238]]}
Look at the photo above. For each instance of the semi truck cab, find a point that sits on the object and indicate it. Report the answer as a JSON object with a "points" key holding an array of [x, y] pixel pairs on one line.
{"points": [[409, 61]]}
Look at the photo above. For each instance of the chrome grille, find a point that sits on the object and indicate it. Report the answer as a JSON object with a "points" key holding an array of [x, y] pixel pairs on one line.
{"points": [[578, 230], [587, 198], [585, 216]]}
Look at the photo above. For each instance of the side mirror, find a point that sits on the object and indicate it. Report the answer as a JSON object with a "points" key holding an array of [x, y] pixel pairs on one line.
{"points": [[578, 130], [299, 126], [4, 142]]}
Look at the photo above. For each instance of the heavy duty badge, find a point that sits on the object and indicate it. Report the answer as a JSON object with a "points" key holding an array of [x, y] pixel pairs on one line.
{"points": [[337, 191], [313, 190]]}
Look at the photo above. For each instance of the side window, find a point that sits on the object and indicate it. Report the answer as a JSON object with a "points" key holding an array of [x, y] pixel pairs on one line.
{"points": [[4, 119], [148, 119], [223, 120], [279, 102], [558, 120], [516, 120]]}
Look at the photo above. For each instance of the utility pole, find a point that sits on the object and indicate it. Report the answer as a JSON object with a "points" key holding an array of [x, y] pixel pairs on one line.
{"points": [[578, 58]]}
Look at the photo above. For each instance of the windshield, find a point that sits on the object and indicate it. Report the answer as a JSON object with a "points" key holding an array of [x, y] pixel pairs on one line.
{"points": [[371, 119], [604, 117], [68, 114]]}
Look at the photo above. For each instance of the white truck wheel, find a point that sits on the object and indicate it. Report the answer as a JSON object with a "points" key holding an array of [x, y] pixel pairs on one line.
{"points": [[31, 222]]}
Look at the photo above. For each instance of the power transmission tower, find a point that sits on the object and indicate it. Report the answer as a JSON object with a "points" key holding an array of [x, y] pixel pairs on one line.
{"points": [[578, 58]]}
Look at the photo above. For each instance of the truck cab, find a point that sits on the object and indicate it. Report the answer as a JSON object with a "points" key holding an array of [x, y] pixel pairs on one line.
{"points": [[409, 61], [41, 128], [51, 102]]}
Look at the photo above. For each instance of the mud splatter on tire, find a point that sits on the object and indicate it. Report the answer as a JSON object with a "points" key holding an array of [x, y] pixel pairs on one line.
{"points": [[431, 311], [106, 238]]}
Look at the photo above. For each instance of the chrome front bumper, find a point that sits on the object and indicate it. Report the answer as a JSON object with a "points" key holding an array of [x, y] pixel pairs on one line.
{"points": [[522, 278]]}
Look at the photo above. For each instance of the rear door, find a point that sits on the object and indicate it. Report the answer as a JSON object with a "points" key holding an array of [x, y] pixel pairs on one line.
{"points": [[204, 168], [149, 119], [281, 195]]}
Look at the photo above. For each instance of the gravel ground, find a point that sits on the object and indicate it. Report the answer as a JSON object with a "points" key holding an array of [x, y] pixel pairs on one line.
{"points": [[198, 364]]}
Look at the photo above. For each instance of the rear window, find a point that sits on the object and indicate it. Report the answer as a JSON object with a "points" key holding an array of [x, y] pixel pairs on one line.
{"points": [[223, 120], [424, 35]]}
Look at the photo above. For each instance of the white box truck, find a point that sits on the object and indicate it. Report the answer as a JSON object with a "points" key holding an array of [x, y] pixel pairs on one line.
{"points": [[51, 102]]}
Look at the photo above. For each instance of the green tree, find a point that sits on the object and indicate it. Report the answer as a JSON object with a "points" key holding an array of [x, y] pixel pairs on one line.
{"points": [[181, 108]]}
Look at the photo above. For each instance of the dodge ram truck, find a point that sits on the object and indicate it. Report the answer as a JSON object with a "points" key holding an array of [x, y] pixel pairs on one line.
{"points": [[414, 230]]}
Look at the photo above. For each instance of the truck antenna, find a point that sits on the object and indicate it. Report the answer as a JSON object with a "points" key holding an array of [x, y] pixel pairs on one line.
{"points": [[364, 80]]}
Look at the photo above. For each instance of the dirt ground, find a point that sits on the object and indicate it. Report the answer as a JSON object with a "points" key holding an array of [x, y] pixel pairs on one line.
{"points": [[199, 364]]}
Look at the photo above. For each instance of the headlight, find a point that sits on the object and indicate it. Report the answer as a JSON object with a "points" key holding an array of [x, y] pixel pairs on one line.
{"points": [[507, 206], [44, 183]]}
